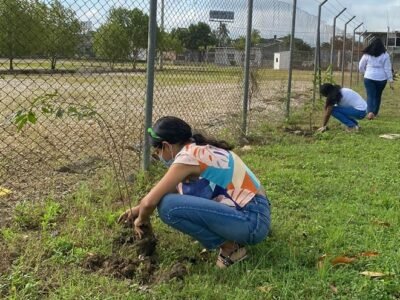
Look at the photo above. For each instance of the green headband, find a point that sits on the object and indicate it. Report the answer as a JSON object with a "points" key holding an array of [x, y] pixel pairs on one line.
{"points": [[153, 134]]}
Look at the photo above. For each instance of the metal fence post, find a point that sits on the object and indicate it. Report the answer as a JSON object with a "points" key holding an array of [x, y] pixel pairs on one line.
{"points": [[247, 66], [358, 55], [151, 55], [344, 47], [289, 90], [366, 39], [333, 38], [317, 58], [161, 59], [352, 54]]}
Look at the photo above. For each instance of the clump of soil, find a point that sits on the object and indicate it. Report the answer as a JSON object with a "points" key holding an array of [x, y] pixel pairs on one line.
{"points": [[115, 266], [140, 268], [178, 271], [146, 246], [144, 267]]}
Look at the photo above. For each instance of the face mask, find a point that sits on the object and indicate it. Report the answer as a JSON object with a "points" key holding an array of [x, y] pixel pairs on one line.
{"points": [[166, 163]]}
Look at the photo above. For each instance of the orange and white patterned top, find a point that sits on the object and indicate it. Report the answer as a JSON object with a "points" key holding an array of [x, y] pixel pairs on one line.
{"points": [[229, 179]]}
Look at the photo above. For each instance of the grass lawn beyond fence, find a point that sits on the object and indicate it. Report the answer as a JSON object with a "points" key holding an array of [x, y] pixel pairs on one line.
{"points": [[335, 230]]}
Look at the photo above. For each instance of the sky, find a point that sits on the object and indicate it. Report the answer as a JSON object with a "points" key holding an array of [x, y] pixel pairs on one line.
{"points": [[271, 17], [377, 15]]}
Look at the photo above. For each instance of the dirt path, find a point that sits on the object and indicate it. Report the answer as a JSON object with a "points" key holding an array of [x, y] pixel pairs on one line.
{"points": [[34, 162]]}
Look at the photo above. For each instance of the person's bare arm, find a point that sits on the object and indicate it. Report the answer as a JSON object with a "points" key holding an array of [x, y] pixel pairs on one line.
{"points": [[175, 174], [327, 115]]}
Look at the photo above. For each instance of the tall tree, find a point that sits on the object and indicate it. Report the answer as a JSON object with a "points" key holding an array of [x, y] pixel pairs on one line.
{"points": [[240, 43], [200, 36], [197, 37], [111, 42], [182, 34], [136, 25], [299, 44], [130, 28], [17, 36], [169, 42], [62, 32], [338, 43], [222, 35]]}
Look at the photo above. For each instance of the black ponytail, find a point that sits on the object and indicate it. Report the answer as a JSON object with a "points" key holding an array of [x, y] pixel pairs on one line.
{"points": [[200, 139], [332, 93], [176, 131]]}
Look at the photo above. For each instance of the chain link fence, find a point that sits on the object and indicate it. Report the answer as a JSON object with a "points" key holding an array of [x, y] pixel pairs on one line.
{"points": [[73, 84]]}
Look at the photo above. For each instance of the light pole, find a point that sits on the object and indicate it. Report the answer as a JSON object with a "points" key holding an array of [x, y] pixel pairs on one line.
{"points": [[289, 90], [366, 39], [344, 47], [317, 58], [160, 60], [352, 54], [333, 38], [151, 58]]}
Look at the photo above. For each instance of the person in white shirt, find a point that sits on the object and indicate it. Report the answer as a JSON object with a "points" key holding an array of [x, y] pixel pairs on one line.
{"points": [[377, 69], [344, 104]]}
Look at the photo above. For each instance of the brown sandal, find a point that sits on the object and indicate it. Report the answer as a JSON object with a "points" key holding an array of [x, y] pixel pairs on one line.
{"points": [[236, 256]]}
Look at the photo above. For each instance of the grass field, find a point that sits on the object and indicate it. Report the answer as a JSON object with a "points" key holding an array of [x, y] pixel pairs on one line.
{"points": [[335, 214], [208, 96]]}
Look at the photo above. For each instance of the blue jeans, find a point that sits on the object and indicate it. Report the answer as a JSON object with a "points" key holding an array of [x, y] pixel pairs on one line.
{"points": [[374, 94], [213, 223], [348, 115]]}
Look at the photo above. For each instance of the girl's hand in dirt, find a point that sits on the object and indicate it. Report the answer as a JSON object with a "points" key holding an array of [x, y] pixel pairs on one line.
{"points": [[129, 215], [139, 224]]}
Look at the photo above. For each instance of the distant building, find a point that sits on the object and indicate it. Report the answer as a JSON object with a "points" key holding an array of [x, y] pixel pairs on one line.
{"points": [[391, 39], [281, 60], [229, 56]]}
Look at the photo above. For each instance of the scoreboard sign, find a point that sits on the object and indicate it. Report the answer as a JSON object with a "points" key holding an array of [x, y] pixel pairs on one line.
{"points": [[220, 15]]}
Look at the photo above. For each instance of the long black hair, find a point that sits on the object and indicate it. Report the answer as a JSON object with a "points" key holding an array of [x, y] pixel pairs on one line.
{"points": [[176, 131], [332, 93], [376, 48]]}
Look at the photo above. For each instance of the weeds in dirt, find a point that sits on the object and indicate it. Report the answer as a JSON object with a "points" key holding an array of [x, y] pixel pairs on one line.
{"points": [[34, 216]]}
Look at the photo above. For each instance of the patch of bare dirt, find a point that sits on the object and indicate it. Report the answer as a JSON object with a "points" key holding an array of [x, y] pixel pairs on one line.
{"points": [[6, 258], [140, 268], [300, 131], [146, 246], [53, 156], [120, 267], [144, 268]]}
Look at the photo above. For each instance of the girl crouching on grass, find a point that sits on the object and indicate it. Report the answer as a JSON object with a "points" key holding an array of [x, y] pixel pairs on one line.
{"points": [[207, 193], [343, 104]]}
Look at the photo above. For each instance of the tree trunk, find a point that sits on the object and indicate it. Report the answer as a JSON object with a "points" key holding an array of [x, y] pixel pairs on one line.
{"points": [[11, 64], [53, 63], [134, 59]]}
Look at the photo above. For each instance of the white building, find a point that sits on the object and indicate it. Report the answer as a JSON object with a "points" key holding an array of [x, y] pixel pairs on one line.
{"points": [[281, 60], [229, 56]]}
